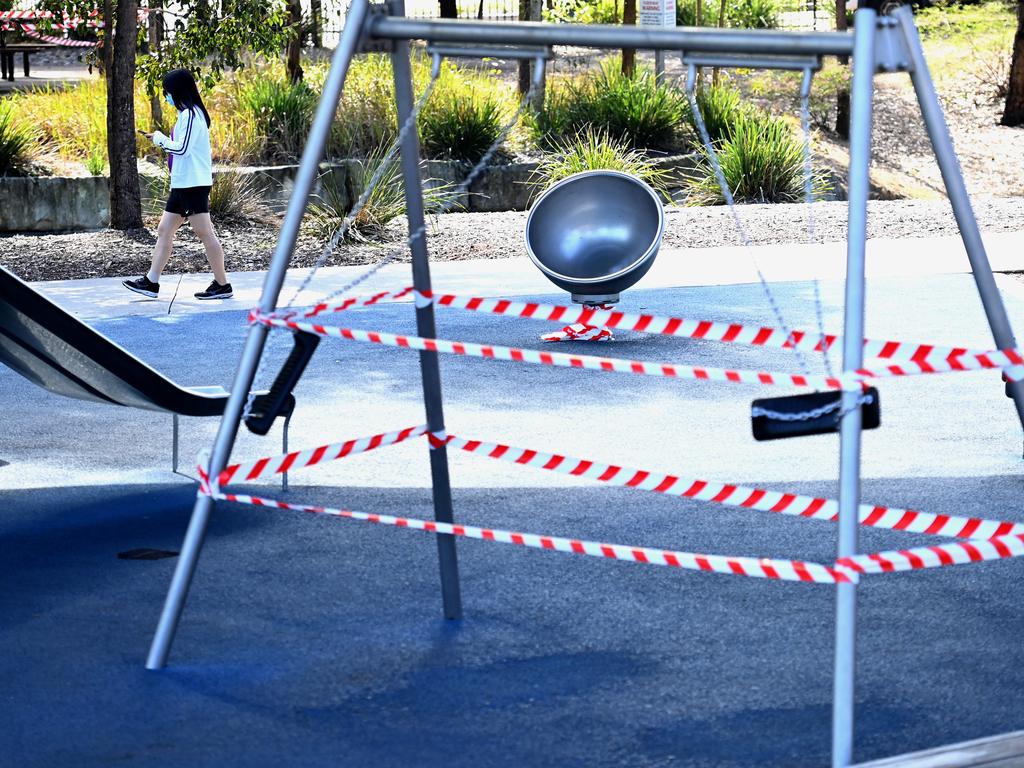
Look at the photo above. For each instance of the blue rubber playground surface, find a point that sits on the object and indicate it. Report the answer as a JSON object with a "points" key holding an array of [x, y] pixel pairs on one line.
{"points": [[320, 642]]}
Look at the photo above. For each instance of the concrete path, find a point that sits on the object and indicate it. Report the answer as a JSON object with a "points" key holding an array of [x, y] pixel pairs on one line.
{"points": [[319, 642]]}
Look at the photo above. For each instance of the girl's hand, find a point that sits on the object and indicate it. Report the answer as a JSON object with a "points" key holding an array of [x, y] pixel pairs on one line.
{"points": [[143, 133]]}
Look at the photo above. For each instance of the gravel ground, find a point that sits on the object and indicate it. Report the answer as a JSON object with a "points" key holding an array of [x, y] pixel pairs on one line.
{"points": [[109, 253]]}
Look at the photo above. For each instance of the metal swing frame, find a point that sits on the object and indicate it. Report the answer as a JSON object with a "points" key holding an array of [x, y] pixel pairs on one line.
{"points": [[877, 44]]}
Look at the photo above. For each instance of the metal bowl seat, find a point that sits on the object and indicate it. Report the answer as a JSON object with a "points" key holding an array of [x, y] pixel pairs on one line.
{"points": [[595, 233]]}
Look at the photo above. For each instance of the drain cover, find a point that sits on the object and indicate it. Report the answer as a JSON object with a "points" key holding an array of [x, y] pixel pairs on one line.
{"points": [[145, 554]]}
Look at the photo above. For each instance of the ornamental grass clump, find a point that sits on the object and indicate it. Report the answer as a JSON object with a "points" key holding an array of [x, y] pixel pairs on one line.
{"points": [[17, 143], [593, 150], [456, 126], [634, 109], [235, 197], [283, 114], [339, 192], [720, 108], [762, 161]]}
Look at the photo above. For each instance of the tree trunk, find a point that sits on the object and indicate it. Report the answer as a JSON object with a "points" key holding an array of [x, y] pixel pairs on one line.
{"points": [[125, 197], [628, 54], [449, 9], [317, 22], [1013, 113], [843, 95], [294, 52], [155, 37]]}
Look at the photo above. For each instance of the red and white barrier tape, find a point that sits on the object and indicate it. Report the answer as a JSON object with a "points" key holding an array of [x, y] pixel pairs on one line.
{"points": [[561, 359], [610, 364], [763, 568], [893, 518], [29, 31], [925, 358], [918, 558], [272, 465]]}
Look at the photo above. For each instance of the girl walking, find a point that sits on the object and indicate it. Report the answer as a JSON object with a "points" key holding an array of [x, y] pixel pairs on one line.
{"points": [[188, 154]]}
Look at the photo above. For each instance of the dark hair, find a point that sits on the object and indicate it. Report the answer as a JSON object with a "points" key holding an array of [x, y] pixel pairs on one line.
{"points": [[180, 84]]}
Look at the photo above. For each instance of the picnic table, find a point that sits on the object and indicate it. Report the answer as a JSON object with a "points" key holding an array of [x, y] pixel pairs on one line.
{"points": [[7, 52]]}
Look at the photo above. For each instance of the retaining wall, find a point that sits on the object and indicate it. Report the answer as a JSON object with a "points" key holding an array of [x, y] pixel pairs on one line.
{"points": [[56, 204]]}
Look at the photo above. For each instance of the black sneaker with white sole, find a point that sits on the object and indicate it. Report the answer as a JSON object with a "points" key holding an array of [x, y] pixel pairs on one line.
{"points": [[143, 285], [216, 291]]}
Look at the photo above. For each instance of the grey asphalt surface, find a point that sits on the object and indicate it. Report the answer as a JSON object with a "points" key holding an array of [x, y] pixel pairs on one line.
{"points": [[314, 641]]}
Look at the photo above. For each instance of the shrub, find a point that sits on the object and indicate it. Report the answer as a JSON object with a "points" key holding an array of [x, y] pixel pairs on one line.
{"points": [[748, 14], [593, 150], [636, 109], [454, 126], [762, 161], [386, 202], [583, 12], [366, 114], [721, 109], [234, 196], [17, 143], [283, 114], [96, 164]]}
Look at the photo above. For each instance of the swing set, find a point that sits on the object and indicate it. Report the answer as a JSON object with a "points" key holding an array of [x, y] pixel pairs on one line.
{"points": [[844, 401]]}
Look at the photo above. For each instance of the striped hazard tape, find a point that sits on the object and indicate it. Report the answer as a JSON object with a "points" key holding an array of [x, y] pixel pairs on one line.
{"points": [[763, 568], [893, 518], [610, 364], [955, 553], [272, 465], [921, 358]]}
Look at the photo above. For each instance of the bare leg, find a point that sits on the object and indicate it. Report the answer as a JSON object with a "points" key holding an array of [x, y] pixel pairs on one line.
{"points": [[169, 223], [203, 228]]}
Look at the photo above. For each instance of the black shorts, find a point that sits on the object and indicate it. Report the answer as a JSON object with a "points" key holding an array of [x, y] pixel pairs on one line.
{"points": [[186, 201]]}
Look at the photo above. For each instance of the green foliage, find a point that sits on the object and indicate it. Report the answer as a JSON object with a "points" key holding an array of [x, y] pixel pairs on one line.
{"points": [[457, 126], [96, 163], [781, 88], [328, 209], [211, 37], [283, 114], [720, 107], [17, 143], [762, 161], [366, 114], [633, 109], [233, 197], [740, 14], [593, 150], [583, 11]]}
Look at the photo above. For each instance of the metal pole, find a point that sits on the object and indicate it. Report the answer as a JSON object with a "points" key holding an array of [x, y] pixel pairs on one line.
{"points": [[942, 146], [176, 595], [853, 352], [754, 42], [425, 327]]}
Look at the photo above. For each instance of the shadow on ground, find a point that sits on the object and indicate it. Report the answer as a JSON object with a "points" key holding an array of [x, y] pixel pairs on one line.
{"points": [[318, 641]]}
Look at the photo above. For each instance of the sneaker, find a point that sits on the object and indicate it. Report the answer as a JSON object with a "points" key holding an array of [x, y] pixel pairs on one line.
{"points": [[143, 285], [216, 291]]}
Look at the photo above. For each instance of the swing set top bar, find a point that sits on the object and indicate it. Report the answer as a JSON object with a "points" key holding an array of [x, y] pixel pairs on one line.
{"points": [[688, 39]]}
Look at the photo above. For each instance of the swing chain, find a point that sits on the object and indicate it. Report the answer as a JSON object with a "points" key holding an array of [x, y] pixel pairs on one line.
{"points": [[864, 399], [460, 190], [347, 222], [691, 95]]}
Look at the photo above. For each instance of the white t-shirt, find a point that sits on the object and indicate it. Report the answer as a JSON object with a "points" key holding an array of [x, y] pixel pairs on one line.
{"points": [[191, 165]]}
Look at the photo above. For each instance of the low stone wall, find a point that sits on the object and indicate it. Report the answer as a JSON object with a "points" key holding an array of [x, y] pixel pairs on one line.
{"points": [[55, 204]]}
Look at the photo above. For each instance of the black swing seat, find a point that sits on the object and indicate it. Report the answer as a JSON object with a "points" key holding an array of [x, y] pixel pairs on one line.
{"points": [[53, 349]]}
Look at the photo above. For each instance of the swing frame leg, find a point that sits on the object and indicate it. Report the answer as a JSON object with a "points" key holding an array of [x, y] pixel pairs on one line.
{"points": [[861, 104], [426, 326], [304, 181], [952, 177]]}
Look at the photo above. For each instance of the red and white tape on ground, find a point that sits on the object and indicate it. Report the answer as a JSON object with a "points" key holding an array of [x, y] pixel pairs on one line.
{"points": [[764, 568], [919, 558], [272, 465], [797, 505], [925, 358]]}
